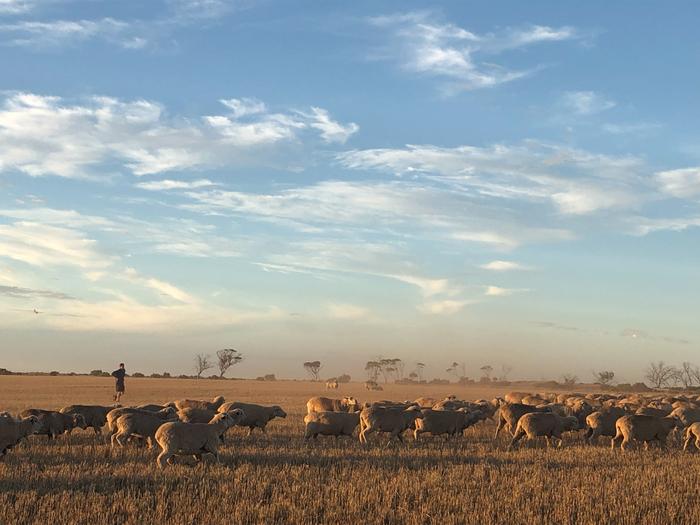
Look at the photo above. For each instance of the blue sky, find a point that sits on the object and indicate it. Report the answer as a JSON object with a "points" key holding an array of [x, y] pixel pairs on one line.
{"points": [[504, 183]]}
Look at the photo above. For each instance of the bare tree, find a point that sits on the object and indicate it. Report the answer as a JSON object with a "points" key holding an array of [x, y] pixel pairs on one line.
{"points": [[569, 379], [226, 358], [505, 372], [202, 363], [659, 374], [687, 375], [604, 377], [313, 368]]}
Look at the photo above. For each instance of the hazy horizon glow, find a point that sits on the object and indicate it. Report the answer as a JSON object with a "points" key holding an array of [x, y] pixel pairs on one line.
{"points": [[507, 184]]}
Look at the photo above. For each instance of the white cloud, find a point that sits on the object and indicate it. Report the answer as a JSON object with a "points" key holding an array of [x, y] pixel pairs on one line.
{"points": [[42, 135], [586, 102], [575, 181], [448, 51], [442, 307], [347, 311], [497, 291], [14, 7], [503, 266], [166, 184], [163, 288], [682, 183], [331, 130]]}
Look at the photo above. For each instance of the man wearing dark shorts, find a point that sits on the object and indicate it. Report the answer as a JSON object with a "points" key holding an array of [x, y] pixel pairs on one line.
{"points": [[119, 374]]}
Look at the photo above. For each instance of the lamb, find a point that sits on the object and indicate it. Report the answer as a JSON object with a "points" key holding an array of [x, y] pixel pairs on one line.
{"points": [[325, 404], [52, 423], [177, 438], [392, 420], [256, 416], [330, 424], [142, 425], [95, 416], [545, 424], [14, 431], [643, 428], [214, 404]]}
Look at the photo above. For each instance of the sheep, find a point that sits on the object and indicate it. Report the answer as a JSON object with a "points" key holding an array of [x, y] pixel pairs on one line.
{"points": [[156, 408], [142, 425], [177, 438], [581, 410], [533, 400], [545, 424], [113, 415], [95, 416], [256, 416], [643, 428], [6, 416], [196, 415], [54, 423], [13, 431], [686, 415], [510, 413], [392, 420], [438, 422], [515, 397], [373, 385], [692, 432], [425, 402], [652, 411], [602, 423], [325, 404], [332, 384], [214, 404], [330, 424]]}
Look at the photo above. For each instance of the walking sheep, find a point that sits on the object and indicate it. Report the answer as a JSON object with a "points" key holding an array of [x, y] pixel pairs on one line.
{"points": [[256, 416]]}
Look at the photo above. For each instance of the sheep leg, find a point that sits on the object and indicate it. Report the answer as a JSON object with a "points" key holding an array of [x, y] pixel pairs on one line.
{"points": [[163, 457], [499, 427], [625, 443], [588, 435], [614, 440], [416, 434], [517, 437], [697, 442], [686, 444]]}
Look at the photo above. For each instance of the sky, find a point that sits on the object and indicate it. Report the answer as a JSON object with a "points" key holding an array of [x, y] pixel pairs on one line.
{"points": [[505, 183]]}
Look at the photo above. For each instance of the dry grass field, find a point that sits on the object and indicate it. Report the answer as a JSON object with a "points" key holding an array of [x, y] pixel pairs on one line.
{"points": [[280, 478]]}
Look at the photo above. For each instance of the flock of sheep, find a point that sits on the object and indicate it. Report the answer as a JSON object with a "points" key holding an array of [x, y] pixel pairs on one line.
{"points": [[195, 427]]}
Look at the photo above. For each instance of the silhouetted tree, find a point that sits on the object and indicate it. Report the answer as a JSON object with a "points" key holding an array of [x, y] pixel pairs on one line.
{"points": [[313, 368], [569, 379], [505, 372], [459, 370], [226, 358], [659, 374], [373, 368], [202, 362], [419, 370], [605, 378], [487, 370]]}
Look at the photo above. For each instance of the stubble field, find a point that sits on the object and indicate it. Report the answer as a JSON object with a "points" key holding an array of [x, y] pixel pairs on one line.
{"points": [[279, 478]]}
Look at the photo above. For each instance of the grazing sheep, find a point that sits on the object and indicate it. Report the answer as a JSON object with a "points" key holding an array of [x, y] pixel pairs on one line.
{"points": [[643, 428], [95, 416], [439, 422], [549, 425], [13, 431], [392, 420], [196, 415], [113, 415], [52, 423], [214, 404], [602, 423], [256, 416], [326, 404], [177, 438], [692, 433], [332, 384], [533, 400], [142, 425], [330, 424], [373, 385], [510, 413]]}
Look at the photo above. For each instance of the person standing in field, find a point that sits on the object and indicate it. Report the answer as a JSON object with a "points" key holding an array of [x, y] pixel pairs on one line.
{"points": [[119, 374]]}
